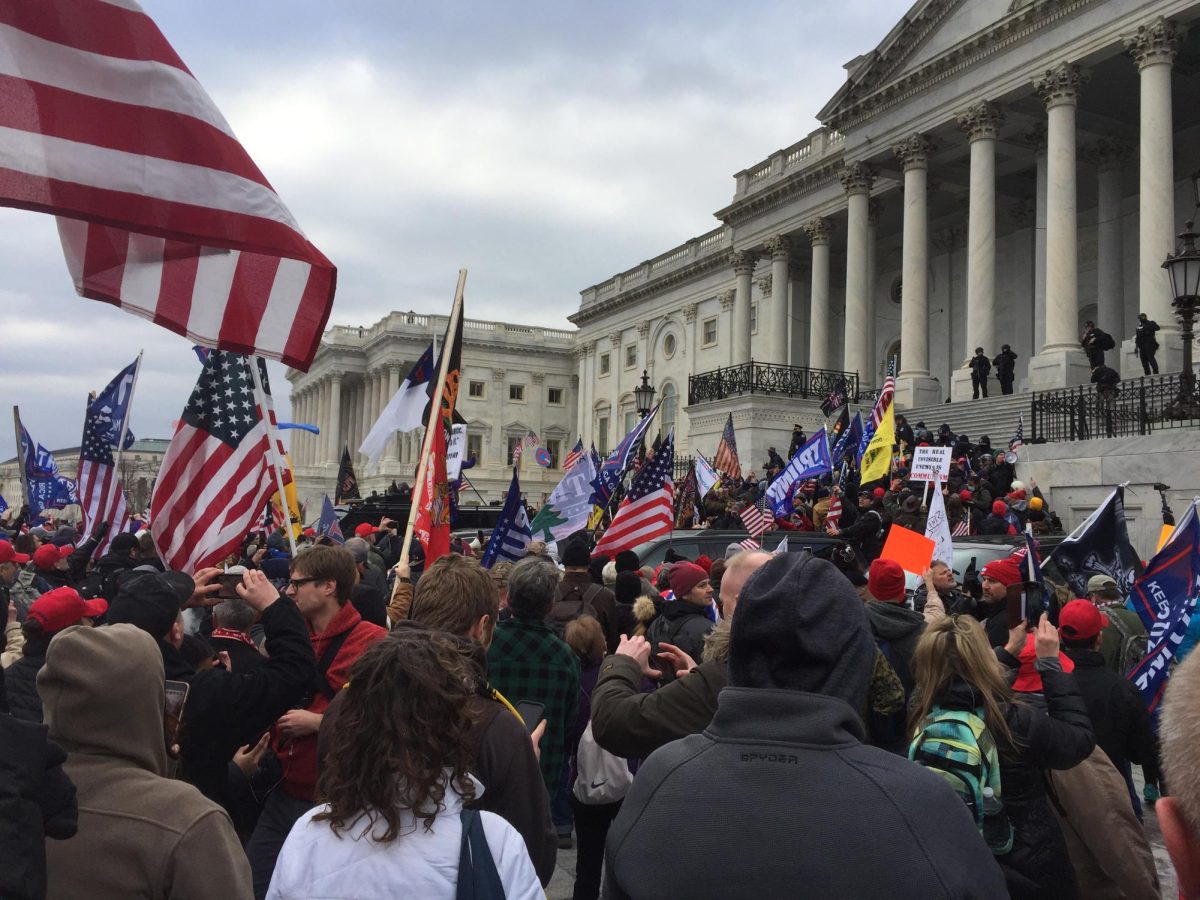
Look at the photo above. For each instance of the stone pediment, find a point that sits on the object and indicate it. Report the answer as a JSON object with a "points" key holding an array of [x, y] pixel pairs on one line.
{"points": [[933, 35]]}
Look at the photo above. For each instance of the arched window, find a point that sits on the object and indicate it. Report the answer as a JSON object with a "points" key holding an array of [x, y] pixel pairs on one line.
{"points": [[670, 407]]}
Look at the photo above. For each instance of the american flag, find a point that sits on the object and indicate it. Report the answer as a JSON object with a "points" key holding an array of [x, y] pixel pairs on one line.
{"points": [[726, 460], [647, 512], [160, 209], [105, 427], [755, 520], [529, 442], [574, 456], [963, 528], [749, 544], [1018, 438], [216, 476], [836, 398], [886, 393], [834, 515]]}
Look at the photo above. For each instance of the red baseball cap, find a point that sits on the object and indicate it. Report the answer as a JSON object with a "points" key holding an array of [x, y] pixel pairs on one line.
{"points": [[45, 556], [63, 607], [1080, 620], [363, 529], [1029, 680], [9, 554]]}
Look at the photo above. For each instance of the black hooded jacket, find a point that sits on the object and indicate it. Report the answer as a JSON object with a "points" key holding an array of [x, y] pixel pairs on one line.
{"points": [[897, 630]]}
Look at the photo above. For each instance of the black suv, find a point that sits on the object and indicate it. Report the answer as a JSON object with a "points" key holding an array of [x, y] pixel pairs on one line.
{"points": [[712, 542]]}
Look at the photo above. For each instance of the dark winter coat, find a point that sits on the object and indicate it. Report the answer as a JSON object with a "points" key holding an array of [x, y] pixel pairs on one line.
{"points": [[37, 801], [20, 685], [779, 795], [1143, 336], [955, 602], [1106, 380], [867, 533], [980, 366], [896, 629], [1005, 362], [1057, 735], [1118, 715], [682, 624], [602, 600]]}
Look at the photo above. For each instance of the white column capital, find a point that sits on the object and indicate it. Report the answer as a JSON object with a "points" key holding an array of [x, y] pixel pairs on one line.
{"points": [[615, 338], [741, 262], [1155, 43], [981, 121], [856, 178], [1061, 85], [818, 230], [779, 247], [764, 286], [727, 298], [689, 312], [913, 151]]}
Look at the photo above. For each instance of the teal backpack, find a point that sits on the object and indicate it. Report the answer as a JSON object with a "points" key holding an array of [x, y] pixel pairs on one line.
{"points": [[958, 746]]}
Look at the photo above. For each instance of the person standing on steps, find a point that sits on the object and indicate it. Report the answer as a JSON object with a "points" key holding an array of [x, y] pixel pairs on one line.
{"points": [[1146, 344], [1005, 362], [980, 366]]}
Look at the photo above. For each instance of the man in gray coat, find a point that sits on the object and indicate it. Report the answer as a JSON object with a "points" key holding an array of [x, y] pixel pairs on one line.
{"points": [[779, 794]]}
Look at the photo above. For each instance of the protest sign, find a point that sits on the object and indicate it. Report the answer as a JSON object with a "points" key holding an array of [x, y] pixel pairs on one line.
{"points": [[930, 464], [911, 550]]}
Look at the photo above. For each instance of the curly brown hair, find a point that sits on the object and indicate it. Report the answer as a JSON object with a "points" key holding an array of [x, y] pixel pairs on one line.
{"points": [[403, 722]]}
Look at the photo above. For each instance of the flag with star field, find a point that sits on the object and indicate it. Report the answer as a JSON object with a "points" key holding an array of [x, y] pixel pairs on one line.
{"points": [[216, 476]]}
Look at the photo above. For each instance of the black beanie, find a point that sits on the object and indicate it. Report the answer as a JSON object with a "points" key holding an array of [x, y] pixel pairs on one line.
{"points": [[574, 550], [800, 626], [628, 587], [149, 601], [627, 561]]}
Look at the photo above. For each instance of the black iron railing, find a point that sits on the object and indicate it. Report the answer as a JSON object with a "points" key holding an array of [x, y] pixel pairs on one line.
{"points": [[1137, 406], [766, 378]]}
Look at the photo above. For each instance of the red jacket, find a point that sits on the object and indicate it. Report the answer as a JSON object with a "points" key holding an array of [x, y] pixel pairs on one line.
{"points": [[299, 757]]}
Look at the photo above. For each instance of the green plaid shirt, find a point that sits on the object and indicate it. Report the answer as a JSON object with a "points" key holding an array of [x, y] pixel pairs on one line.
{"points": [[528, 662]]}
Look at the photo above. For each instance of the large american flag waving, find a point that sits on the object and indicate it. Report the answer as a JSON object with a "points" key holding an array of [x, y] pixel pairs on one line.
{"points": [[160, 209], [216, 476], [648, 510]]}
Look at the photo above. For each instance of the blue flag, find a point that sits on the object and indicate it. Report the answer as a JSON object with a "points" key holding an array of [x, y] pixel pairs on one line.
{"points": [[1099, 546], [613, 471], [107, 413], [849, 439], [3, 505], [811, 460], [1165, 597], [512, 535], [328, 524], [47, 488]]}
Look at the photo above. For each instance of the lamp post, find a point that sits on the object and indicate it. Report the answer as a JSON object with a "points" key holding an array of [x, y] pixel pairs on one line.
{"points": [[1183, 267], [643, 396]]}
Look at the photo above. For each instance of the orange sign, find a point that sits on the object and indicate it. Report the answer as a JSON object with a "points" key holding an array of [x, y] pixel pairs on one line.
{"points": [[911, 550]]}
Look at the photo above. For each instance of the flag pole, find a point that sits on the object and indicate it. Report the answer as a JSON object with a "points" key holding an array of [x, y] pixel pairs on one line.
{"points": [[137, 370], [21, 456], [435, 415], [268, 411]]}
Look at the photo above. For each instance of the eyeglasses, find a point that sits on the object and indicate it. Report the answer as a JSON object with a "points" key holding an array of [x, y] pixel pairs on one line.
{"points": [[294, 583]]}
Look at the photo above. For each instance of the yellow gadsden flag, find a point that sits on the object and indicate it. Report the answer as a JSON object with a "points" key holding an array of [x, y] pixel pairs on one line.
{"points": [[878, 456]]}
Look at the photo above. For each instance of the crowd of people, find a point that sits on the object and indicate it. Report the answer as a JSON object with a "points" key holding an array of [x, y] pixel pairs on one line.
{"points": [[343, 721]]}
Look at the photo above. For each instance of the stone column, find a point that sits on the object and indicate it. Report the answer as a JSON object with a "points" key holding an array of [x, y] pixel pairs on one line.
{"points": [[393, 388], [498, 429], [743, 270], [1109, 157], [298, 446], [727, 304], [870, 369], [780, 249], [857, 179], [323, 442], [1153, 48], [819, 308], [1061, 362], [914, 385], [582, 413], [799, 286], [335, 415], [1038, 138]]}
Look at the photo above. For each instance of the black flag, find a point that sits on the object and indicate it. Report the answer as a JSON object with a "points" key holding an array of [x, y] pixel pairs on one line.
{"points": [[347, 481], [1099, 546]]}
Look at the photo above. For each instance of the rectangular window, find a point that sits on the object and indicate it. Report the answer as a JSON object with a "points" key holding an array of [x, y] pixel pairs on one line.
{"points": [[475, 389], [605, 364], [554, 448], [754, 318], [630, 356], [602, 435], [554, 396], [516, 392], [710, 331], [475, 446], [631, 419]]}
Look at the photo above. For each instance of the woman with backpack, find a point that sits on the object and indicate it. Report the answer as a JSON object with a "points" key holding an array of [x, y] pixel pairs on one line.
{"points": [[963, 689]]}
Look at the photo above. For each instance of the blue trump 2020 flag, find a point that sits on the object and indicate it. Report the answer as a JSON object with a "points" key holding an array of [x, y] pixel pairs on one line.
{"points": [[609, 475], [47, 488], [848, 439], [328, 524], [512, 535], [811, 459], [1165, 597]]}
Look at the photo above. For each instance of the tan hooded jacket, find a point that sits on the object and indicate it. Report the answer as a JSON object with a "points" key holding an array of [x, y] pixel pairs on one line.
{"points": [[140, 834]]}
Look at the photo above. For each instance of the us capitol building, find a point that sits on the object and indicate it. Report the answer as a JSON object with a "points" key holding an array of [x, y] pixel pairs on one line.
{"points": [[993, 172]]}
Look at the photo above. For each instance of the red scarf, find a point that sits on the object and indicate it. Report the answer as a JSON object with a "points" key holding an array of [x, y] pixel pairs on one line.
{"points": [[233, 636]]}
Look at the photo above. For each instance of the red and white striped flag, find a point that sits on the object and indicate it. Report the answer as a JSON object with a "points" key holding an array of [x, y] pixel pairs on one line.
{"points": [[726, 459], [105, 430], [648, 510], [755, 520], [749, 544], [574, 456], [160, 209], [834, 515], [963, 528], [216, 476]]}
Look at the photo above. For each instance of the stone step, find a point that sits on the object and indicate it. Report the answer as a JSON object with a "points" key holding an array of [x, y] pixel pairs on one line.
{"points": [[994, 416]]}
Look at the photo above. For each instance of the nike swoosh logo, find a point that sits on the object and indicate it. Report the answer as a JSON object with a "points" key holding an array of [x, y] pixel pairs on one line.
{"points": [[596, 784]]}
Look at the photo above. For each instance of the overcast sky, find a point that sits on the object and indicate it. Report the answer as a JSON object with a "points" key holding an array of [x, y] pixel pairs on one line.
{"points": [[543, 145]]}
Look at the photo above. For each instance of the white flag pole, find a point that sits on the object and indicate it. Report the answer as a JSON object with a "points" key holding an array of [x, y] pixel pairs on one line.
{"points": [[137, 370]]}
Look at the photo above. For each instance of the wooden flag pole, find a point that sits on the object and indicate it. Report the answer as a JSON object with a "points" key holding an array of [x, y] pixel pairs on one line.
{"points": [[435, 415], [268, 409]]}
